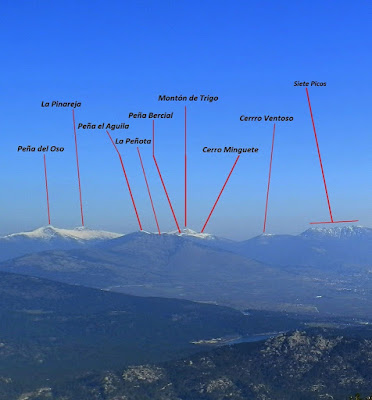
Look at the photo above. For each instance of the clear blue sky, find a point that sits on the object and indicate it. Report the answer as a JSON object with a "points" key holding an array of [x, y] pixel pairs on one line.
{"points": [[118, 56]]}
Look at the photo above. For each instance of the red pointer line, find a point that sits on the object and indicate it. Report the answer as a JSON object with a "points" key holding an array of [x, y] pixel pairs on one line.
{"points": [[126, 178], [321, 166], [148, 189], [320, 158], [161, 178], [185, 169], [268, 183], [78, 169], [223, 187], [46, 188]]}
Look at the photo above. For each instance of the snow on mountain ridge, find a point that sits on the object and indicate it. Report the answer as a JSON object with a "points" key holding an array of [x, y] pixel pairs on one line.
{"points": [[190, 232], [337, 231], [83, 234], [50, 232]]}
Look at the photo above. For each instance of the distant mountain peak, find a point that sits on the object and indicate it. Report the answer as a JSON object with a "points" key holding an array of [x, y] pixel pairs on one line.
{"points": [[192, 233], [337, 231], [49, 232]]}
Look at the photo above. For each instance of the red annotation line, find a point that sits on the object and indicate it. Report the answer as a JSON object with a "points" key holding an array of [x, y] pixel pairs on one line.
{"points": [[321, 167], [148, 190], [223, 187], [320, 158], [185, 167], [161, 178], [126, 178], [268, 183], [78, 169], [46, 188]]}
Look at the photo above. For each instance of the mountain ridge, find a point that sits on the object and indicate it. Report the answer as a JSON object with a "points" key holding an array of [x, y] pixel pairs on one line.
{"points": [[83, 233], [50, 232], [275, 272]]}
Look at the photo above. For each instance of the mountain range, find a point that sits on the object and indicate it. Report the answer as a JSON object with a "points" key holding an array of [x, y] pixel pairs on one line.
{"points": [[323, 270], [48, 238], [347, 246], [73, 329]]}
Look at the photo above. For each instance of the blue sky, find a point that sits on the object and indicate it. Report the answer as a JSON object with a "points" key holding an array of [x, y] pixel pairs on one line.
{"points": [[116, 57]]}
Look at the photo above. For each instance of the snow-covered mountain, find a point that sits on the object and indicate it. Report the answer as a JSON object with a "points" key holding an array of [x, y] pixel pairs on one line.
{"points": [[319, 247], [330, 265], [189, 233], [338, 232], [136, 260], [50, 238], [51, 233]]}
